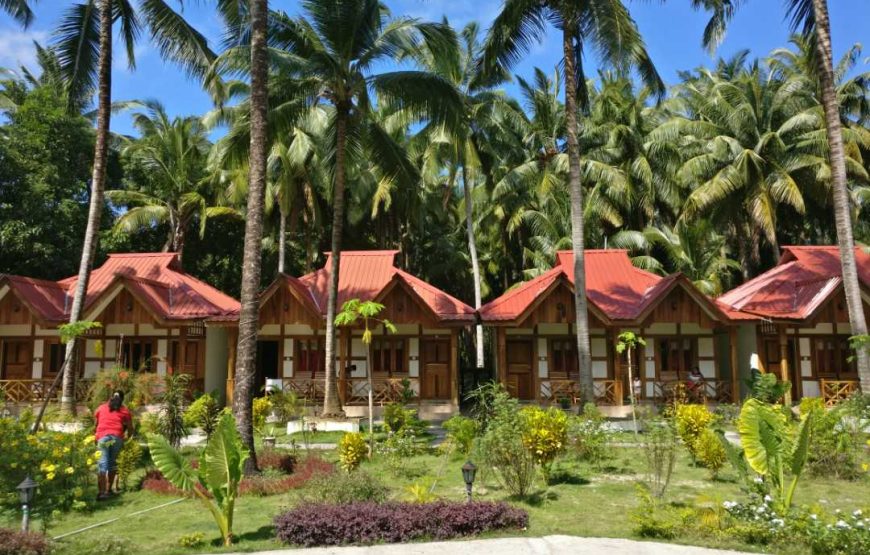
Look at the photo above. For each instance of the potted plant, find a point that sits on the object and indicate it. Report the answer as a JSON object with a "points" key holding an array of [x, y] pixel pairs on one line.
{"points": [[565, 403], [269, 440]]}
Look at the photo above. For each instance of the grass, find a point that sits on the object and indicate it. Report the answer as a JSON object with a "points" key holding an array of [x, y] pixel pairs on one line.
{"points": [[583, 500]]}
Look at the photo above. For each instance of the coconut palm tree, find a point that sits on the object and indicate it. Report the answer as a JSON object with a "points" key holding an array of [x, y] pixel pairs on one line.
{"points": [[171, 156], [19, 10], [812, 19], [607, 26], [83, 42], [332, 51]]}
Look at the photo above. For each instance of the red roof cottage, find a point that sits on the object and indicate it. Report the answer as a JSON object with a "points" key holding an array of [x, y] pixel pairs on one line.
{"points": [[153, 315], [424, 349], [535, 335], [795, 317]]}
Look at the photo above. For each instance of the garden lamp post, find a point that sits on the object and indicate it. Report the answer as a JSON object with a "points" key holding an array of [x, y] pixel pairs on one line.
{"points": [[26, 490], [468, 472]]}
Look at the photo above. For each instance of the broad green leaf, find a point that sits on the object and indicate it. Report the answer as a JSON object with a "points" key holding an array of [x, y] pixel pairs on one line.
{"points": [[172, 464]]}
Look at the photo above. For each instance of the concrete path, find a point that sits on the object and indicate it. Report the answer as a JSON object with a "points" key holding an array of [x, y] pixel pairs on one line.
{"points": [[548, 545]]}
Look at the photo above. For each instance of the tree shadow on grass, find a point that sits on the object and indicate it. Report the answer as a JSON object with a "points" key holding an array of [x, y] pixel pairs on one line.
{"points": [[567, 476], [537, 498], [261, 533]]}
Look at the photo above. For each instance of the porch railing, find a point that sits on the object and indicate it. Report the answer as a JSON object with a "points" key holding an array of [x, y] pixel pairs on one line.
{"points": [[554, 390], [354, 390], [33, 391], [837, 391], [718, 391]]}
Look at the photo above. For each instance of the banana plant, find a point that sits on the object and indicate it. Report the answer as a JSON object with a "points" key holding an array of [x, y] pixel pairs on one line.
{"points": [[773, 445], [220, 471]]}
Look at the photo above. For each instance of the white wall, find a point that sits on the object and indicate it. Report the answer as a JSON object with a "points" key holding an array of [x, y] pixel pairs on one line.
{"points": [[543, 362], [216, 352], [287, 363], [39, 354], [413, 357]]}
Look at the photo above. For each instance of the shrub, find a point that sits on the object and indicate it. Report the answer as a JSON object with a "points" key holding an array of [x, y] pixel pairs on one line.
{"points": [[140, 388], [545, 433], [660, 456], [195, 539], [837, 438], [16, 542], [342, 488], [286, 405], [262, 408], [367, 523], [461, 432], [587, 435], [170, 421], [651, 520], [128, 461], [691, 421], [710, 452], [502, 444], [203, 413], [276, 460], [62, 464], [767, 388], [352, 449]]}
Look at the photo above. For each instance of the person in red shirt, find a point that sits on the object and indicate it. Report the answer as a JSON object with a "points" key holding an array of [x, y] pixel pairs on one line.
{"points": [[114, 423]]}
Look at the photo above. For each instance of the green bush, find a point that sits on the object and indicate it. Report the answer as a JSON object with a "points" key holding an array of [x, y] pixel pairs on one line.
{"points": [[262, 408], [767, 388], [129, 460], [502, 444], [286, 405], [545, 434], [660, 456], [341, 488], [651, 520], [691, 421], [140, 388], [710, 452], [837, 441], [203, 413], [398, 418], [588, 435], [170, 421], [461, 431], [352, 449], [195, 539]]}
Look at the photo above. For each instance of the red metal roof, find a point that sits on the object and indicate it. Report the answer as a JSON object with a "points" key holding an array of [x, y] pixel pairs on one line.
{"points": [[616, 287], [803, 280], [155, 278], [366, 275]]}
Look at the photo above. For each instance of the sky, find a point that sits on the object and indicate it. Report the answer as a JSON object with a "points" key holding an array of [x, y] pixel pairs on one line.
{"points": [[671, 30]]}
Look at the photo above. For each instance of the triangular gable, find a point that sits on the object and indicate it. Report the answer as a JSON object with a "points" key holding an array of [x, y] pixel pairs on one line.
{"points": [[392, 312], [96, 311], [297, 291], [655, 296], [561, 282], [43, 299]]}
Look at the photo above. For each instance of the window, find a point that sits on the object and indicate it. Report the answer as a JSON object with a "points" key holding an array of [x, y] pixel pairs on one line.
{"points": [[831, 357], [310, 357], [388, 356], [677, 356], [563, 358], [54, 360], [136, 354]]}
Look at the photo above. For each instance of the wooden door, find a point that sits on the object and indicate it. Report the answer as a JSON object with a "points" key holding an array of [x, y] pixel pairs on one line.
{"points": [[435, 371], [519, 368], [17, 359]]}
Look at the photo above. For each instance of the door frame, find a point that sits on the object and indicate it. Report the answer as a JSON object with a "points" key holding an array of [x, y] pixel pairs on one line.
{"points": [[423, 361]]}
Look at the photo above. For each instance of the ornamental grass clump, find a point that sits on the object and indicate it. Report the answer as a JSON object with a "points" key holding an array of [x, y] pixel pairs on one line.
{"points": [[368, 523]]}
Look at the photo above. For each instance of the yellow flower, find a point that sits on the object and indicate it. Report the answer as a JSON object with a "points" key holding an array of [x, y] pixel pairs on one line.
{"points": [[866, 467], [69, 470], [49, 476], [66, 449], [97, 454], [14, 465]]}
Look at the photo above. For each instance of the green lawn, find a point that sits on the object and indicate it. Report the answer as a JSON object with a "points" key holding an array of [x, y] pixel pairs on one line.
{"points": [[588, 502]]}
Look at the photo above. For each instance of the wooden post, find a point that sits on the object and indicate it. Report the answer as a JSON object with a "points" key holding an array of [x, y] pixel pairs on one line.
{"points": [[454, 367], [501, 374], [617, 369], [182, 350], [342, 364], [735, 370], [536, 385], [232, 340], [783, 362]]}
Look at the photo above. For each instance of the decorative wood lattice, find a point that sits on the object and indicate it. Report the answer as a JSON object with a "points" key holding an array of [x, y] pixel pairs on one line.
{"points": [[32, 391], [834, 392]]}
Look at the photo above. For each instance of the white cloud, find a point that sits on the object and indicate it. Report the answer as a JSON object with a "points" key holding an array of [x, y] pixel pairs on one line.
{"points": [[16, 47]]}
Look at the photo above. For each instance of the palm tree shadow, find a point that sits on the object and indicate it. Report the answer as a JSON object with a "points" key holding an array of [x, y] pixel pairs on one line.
{"points": [[262, 533]]}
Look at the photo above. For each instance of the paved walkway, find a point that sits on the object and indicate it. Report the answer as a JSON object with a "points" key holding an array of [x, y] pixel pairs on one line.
{"points": [[548, 545]]}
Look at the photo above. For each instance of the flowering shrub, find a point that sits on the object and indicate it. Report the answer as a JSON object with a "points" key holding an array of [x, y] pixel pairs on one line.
{"points": [[837, 534], [262, 407], [15, 542], [367, 523], [352, 449], [587, 435], [140, 388], [62, 464], [545, 435], [691, 421]]}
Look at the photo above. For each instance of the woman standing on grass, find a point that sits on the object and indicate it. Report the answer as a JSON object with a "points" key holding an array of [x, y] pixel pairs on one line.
{"points": [[114, 423]]}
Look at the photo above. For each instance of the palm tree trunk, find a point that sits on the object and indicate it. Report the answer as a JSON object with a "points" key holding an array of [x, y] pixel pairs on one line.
{"points": [[95, 210], [842, 215], [249, 317], [475, 267], [584, 355], [331, 401], [282, 240]]}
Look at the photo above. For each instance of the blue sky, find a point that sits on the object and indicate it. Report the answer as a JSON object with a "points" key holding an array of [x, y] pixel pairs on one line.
{"points": [[672, 32]]}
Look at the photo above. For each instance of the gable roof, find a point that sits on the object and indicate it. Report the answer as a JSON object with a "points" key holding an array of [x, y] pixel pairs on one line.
{"points": [[155, 279], [803, 279], [614, 286], [368, 275]]}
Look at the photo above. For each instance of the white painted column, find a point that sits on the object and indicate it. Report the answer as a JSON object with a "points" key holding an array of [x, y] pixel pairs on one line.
{"points": [[38, 358]]}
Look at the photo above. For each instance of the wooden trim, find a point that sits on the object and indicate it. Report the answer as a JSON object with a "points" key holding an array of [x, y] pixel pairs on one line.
{"points": [[783, 361], [735, 370], [454, 367], [536, 386]]}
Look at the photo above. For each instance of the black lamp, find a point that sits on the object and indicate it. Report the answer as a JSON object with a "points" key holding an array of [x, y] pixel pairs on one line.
{"points": [[26, 491], [468, 472]]}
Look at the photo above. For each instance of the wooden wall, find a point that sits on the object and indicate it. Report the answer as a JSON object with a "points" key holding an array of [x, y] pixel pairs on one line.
{"points": [[13, 311], [284, 308]]}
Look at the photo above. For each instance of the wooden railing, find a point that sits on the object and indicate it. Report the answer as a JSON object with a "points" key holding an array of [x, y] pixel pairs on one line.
{"points": [[33, 391], [355, 390], [837, 391], [608, 392], [719, 391]]}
